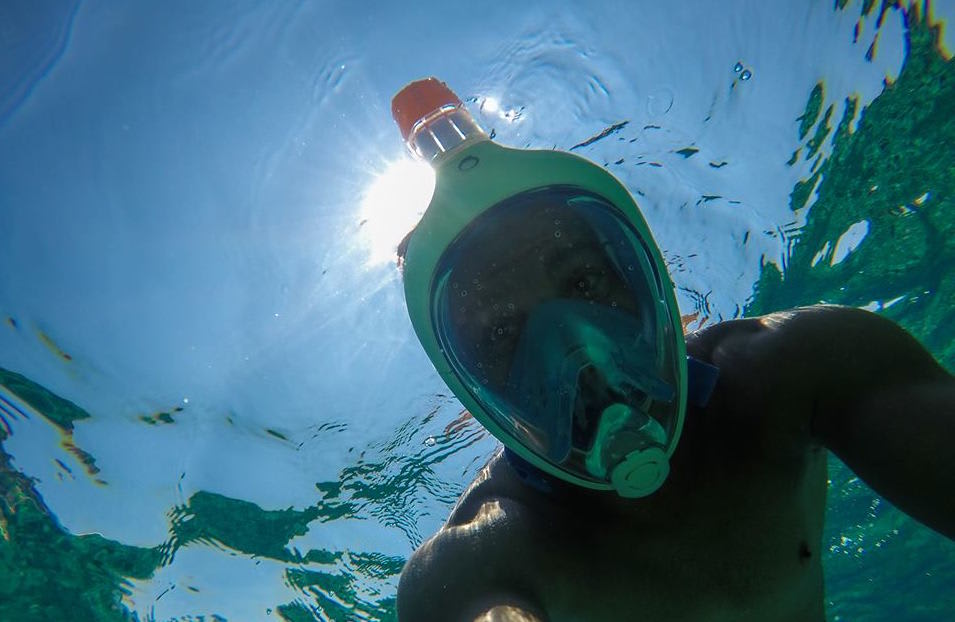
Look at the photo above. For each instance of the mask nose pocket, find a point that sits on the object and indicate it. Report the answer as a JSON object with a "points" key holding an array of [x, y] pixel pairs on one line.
{"points": [[544, 385], [573, 361]]}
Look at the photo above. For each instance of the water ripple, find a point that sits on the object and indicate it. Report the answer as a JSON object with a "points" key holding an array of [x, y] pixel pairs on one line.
{"points": [[32, 42], [550, 74]]}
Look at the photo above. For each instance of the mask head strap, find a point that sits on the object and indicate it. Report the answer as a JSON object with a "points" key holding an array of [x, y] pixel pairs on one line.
{"points": [[701, 380], [528, 473]]}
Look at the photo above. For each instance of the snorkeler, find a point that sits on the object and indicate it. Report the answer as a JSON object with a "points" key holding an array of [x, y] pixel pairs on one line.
{"points": [[648, 475]]}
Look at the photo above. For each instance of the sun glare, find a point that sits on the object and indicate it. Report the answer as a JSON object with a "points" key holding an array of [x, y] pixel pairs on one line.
{"points": [[491, 105], [392, 205]]}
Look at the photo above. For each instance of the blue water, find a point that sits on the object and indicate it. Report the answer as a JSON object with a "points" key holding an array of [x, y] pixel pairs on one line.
{"points": [[199, 204]]}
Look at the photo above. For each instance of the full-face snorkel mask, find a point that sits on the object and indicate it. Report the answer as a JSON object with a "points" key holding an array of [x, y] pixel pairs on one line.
{"points": [[536, 289]]}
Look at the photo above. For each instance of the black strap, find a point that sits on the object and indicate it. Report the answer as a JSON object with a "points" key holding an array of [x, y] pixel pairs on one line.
{"points": [[700, 381], [528, 473]]}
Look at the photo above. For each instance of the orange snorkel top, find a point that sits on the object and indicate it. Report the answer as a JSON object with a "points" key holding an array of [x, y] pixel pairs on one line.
{"points": [[418, 100]]}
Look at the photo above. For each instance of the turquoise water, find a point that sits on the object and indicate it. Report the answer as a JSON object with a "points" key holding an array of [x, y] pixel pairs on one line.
{"points": [[212, 405]]}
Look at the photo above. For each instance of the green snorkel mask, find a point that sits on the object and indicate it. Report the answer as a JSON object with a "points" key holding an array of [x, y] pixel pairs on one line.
{"points": [[535, 287]]}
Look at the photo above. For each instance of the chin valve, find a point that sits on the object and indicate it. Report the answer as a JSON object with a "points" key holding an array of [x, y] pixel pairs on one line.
{"points": [[641, 473]]}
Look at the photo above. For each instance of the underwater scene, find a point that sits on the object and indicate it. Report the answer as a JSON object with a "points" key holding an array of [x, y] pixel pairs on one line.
{"points": [[212, 402]]}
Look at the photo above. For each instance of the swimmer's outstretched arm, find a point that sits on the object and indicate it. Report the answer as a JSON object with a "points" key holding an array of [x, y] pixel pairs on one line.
{"points": [[881, 403], [427, 593], [472, 570]]}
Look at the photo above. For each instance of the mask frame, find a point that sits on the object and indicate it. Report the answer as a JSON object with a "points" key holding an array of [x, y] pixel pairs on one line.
{"points": [[469, 182]]}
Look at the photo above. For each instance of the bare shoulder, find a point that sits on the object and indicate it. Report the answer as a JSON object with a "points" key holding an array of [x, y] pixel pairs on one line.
{"points": [[829, 332], [808, 355], [758, 338], [473, 569]]}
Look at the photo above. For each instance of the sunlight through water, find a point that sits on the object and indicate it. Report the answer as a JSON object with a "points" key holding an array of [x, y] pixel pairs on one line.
{"points": [[392, 206]]}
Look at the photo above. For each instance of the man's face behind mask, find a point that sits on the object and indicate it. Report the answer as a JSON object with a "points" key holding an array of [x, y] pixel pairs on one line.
{"points": [[549, 257], [549, 308]]}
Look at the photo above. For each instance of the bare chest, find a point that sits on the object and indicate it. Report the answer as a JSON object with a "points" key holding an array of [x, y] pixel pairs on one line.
{"points": [[734, 575], [747, 552]]}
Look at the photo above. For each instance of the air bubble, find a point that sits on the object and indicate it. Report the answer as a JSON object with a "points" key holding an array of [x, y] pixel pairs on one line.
{"points": [[738, 67], [746, 75], [557, 234], [464, 293]]}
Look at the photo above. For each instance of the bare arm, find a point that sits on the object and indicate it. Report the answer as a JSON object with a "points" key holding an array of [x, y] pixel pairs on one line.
{"points": [[470, 571], [508, 613], [882, 404], [901, 440], [425, 594]]}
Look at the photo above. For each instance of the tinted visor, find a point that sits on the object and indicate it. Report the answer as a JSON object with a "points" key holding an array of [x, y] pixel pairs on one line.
{"points": [[536, 304]]}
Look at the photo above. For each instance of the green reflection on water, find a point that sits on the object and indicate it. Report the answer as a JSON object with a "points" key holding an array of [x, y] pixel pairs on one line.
{"points": [[45, 572], [811, 115], [896, 172], [241, 526], [58, 411]]}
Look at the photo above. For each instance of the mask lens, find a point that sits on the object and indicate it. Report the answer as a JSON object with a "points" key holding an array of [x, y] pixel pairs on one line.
{"points": [[549, 309]]}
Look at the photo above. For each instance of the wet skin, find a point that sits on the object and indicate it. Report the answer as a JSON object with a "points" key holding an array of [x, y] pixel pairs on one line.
{"points": [[735, 531]]}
